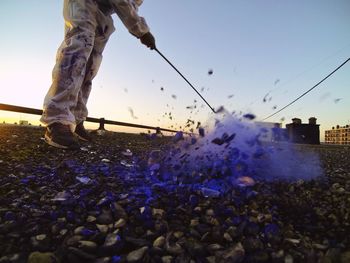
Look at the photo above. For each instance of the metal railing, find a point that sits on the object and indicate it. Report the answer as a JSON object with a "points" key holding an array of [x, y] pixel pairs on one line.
{"points": [[101, 121]]}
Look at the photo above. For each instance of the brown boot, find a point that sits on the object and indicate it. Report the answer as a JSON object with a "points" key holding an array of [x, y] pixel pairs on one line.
{"points": [[82, 133], [61, 136]]}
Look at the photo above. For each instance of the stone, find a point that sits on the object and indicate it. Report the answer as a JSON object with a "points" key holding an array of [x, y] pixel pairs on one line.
{"points": [[120, 223], [345, 257], [136, 255], [38, 257], [159, 241]]}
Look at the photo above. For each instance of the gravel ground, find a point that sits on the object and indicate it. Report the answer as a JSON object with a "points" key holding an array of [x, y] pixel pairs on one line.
{"points": [[99, 205]]}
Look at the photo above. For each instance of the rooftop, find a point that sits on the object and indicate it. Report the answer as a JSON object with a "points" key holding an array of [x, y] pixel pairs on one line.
{"points": [[101, 202]]}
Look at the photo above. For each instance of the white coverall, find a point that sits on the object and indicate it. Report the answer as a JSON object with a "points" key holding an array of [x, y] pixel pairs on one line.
{"points": [[88, 25]]}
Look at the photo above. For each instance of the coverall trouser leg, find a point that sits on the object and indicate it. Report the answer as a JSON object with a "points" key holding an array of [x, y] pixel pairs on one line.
{"points": [[78, 59]]}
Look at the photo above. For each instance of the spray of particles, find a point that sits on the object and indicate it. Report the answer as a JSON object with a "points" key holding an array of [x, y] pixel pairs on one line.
{"points": [[232, 149]]}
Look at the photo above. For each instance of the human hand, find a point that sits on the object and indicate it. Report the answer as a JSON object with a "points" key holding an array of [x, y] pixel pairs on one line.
{"points": [[148, 40]]}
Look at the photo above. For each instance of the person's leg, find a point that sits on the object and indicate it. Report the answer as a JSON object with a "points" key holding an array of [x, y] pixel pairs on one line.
{"points": [[71, 62], [104, 29]]}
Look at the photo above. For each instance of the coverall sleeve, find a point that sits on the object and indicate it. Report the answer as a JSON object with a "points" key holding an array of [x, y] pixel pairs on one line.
{"points": [[127, 11]]}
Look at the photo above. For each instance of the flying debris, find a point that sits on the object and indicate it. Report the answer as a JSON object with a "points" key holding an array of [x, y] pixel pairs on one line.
{"points": [[249, 116], [201, 132], [189, 123], [178, 137], [210, 72], [161, 88], [225, 138], [217, 141], [220, 109], [244, 181], [265, 97], [132, 113]]}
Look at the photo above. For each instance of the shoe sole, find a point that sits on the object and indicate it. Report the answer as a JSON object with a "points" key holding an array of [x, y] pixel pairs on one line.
{"points": [[81, 138], [54, 144]]}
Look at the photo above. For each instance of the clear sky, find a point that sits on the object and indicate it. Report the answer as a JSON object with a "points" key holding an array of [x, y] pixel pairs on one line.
{"points": [[272, 50]]}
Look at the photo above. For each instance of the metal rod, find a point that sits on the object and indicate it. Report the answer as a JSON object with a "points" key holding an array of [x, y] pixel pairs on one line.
{"points": [[101, 121], [184, 79]]}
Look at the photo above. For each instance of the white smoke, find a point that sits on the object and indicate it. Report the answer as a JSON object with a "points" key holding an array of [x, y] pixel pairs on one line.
{"points": [[233, 143]]}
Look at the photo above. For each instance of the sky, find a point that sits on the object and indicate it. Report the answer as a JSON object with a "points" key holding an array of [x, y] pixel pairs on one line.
{"points": [[262, 54]]}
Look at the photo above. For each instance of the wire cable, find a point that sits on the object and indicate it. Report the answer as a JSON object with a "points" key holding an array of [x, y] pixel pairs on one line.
{"points": [[185, 79], [286, 82], [306, 92]]}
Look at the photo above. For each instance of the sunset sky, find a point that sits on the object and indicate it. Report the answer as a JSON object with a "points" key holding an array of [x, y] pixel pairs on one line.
{"points": [[269, 50]]}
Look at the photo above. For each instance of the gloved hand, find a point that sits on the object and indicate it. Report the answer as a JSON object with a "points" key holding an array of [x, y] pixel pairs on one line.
{"points": [[148, 40]]}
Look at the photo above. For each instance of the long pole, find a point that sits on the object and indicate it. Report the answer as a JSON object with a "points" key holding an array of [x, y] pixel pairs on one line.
{"points": [[184, 79]]}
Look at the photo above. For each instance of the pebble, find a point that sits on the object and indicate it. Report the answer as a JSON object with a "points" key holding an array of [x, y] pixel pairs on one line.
{"points": [[90, 219], [111, 239], [345, 257], [87, 245], [105, 218], [292, 240], [288, 259], [10, 258], [38, 257], [102, 228], [158, 212], [40, 237], [178, 234], [120, 223], [194, 222], [63, 232], [228, 237], [136, 255], [167, 259], [175, 249], [214, 247], [127, 152], [159, 241], [234, 253], [73, 240]]}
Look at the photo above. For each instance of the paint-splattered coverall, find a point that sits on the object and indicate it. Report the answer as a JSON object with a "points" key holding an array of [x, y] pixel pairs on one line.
{"points": [[88, 25]]}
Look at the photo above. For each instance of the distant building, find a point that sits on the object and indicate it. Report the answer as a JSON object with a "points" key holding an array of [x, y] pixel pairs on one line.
{"points": [[308, 133], [338, 135]]}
